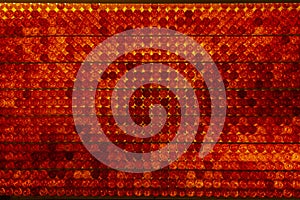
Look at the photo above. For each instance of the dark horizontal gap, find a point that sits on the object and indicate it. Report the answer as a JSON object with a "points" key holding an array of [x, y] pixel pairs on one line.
{"points": [[151, 1], [99, 89], [100, 115], [140, 62], [71, 115], [147, 198], [108, 115], [168, 169], [203, 115], [219, 143], [191, 35]]}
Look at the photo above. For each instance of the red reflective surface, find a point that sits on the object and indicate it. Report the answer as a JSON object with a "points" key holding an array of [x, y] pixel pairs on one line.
{"points": [[255, 47]]}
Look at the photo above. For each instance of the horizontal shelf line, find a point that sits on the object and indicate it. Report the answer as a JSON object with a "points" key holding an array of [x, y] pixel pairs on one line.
{"points": [[104, 169], [217, 143], [99, 89], [140, 62], [153, 1], [191, 35], [169, 115]]}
